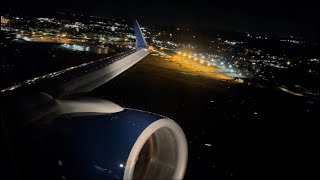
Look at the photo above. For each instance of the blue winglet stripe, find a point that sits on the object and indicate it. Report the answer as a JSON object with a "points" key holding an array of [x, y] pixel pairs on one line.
{"points": [[140, 41]]}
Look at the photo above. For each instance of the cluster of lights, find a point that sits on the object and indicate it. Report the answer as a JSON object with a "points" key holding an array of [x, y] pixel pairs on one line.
{"points": [[291, 41], [212, 63], [208, 63]]}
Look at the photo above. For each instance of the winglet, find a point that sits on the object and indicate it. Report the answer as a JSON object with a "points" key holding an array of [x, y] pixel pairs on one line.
{"points": [[140, 41]]}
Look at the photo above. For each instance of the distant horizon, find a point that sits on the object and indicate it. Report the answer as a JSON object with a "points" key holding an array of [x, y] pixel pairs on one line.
{"points": [[146, 22], [294, 19]]}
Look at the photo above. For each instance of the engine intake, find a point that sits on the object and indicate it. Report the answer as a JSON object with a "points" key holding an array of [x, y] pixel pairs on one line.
{"points": [[160, 152]]}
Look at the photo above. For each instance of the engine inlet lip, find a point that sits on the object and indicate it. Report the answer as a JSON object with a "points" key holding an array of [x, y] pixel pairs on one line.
{"points": [[181, 145]]}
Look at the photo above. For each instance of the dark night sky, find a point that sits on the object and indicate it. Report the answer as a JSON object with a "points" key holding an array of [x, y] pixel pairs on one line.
{"points": [[300, 17]]}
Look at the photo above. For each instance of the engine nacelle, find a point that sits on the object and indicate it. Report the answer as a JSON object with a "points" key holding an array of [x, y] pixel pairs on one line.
{"points": [[129, 144], [97, 139]]}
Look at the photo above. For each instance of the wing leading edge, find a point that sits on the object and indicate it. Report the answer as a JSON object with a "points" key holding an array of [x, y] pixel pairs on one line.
{"points": [[96, 78]]}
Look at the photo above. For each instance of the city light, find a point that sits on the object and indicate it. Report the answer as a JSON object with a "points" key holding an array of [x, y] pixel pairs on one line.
{"points": [[209, 67], [26, 38], [220, 54]]}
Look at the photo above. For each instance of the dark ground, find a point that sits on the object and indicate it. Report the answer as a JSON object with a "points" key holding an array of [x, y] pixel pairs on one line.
{"points": [[255, 133]]}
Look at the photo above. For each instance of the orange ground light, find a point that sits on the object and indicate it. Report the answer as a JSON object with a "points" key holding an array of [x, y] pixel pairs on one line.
{"points": [[187, 66]]}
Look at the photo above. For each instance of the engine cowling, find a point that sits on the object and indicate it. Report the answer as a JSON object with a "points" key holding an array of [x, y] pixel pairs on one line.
{"points": [[97, 139], [129, 144]]}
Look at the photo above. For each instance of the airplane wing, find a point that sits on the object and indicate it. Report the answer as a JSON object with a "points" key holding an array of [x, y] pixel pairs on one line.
{"points": [[54, 136], [88, 76], [107, 69]]}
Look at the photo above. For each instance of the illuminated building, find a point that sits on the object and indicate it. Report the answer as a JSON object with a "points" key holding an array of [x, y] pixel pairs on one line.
{"points": [[4, 20]]}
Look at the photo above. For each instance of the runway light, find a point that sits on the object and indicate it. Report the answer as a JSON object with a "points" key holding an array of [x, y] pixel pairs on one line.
{"points": [[221, 63], [288, 63]]}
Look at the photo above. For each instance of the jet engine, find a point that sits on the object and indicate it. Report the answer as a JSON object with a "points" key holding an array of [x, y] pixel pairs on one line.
{"points": [[97, 139]]}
